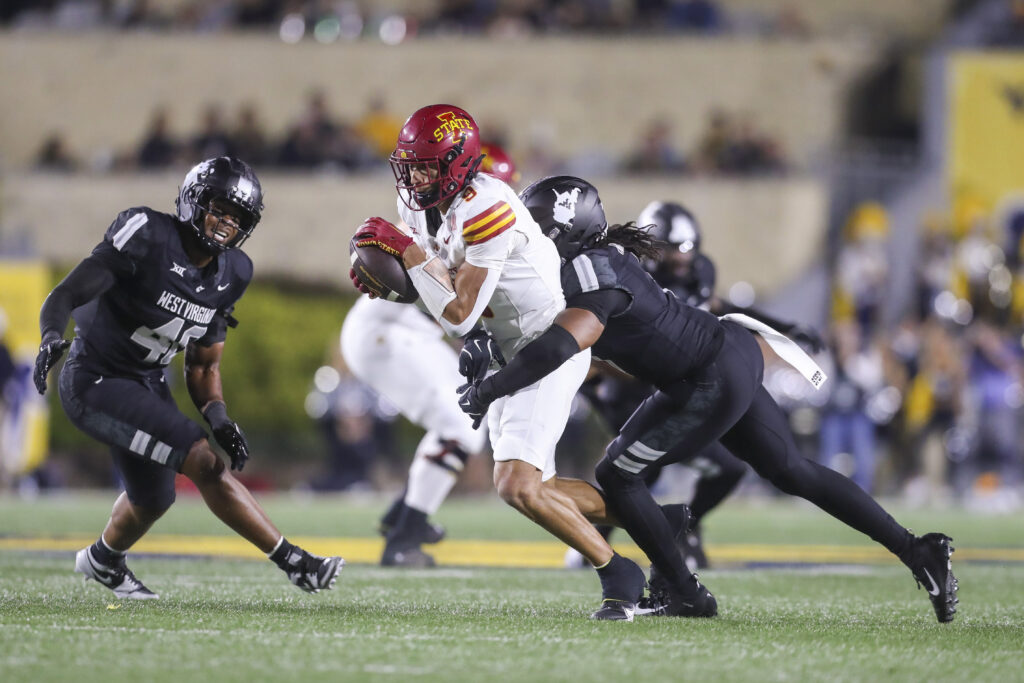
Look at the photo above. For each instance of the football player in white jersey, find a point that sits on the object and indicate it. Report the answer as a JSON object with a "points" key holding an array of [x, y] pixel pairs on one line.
{"points": [[401, 353], [476, 256]]}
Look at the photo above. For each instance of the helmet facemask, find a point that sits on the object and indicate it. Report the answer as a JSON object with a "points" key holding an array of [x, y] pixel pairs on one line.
{"points": [[226, 213], [226, 189], [441, 142]]}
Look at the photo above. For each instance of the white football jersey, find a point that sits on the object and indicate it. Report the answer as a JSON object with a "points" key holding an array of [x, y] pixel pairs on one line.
{"points": [[369, 315], [488, 227]]}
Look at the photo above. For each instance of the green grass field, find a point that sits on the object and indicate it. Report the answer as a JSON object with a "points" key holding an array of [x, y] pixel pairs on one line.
{"points": [[237, 619]]}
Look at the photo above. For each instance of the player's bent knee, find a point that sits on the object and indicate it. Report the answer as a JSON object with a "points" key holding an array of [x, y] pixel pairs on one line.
{"points": [[519, 490], [612, 478], [151, 505], [203, 465]]}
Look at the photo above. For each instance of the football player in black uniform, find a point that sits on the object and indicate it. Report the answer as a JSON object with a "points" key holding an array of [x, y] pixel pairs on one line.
{"points": [[708, 378], [155, 285], [683, 269]]}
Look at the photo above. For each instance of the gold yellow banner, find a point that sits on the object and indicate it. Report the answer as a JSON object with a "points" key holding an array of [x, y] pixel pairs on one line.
{"points": [[986, 127], [24, 420]]}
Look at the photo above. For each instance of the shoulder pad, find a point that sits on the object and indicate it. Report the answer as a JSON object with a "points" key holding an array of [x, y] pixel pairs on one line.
{"points": [[134, 229], [241, 265], [590, 271], [484, 216]]}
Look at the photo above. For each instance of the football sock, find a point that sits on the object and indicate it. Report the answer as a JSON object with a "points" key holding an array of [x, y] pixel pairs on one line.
{"points": [[104, 554], [429, 484], [615, 575], [390, 517], [640, 515], [282, 552], [409, 521]]}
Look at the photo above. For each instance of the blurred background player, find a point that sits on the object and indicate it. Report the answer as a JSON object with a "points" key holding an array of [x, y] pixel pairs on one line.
{"points": [[400, 352], [155, 285], [684, 270], [474, 225]]}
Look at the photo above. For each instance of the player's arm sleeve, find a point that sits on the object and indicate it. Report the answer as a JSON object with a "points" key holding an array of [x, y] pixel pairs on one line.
{"points": [[483, 297], [88, 280], [547, 352], [536, 360]]}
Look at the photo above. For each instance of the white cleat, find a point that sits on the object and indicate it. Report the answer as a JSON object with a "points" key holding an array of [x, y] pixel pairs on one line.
{"points": [[118, 579]]}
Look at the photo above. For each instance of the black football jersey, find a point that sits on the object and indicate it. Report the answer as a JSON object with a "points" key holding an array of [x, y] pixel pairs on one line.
{"points": [[697, 287], [160, 302], [658, 338]]}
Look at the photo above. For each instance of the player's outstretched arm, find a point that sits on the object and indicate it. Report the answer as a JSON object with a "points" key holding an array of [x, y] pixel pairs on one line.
{"points": [[574, 329], [88, 280], [202, 376]]}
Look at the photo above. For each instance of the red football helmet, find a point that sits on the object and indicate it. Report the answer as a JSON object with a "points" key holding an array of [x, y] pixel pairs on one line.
{"points": [[443, 140], [498, 163]]}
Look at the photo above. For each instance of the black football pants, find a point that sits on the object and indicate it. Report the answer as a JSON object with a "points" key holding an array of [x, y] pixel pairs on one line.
{"points": [[725, 401]]}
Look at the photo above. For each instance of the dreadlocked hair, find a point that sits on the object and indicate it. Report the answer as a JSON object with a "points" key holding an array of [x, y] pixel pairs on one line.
{"points": [[634, 239]]}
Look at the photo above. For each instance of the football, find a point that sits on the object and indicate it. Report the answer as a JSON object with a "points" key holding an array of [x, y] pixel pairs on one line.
{"points": [[382, 273]]}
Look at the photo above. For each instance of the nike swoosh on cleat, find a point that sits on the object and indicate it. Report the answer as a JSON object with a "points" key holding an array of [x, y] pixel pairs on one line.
{"points": [[934, 590], [221, 289], [102, 574]]}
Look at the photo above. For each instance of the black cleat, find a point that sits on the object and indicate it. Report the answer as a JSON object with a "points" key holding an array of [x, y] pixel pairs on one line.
{"points": [[429, 532], [117, 578], [652, 605], [933, 569], [679, 518], [687, 535], [692, 549], [620, 591], [313, 573], [694, 601], [615, 610], [407, 557]]}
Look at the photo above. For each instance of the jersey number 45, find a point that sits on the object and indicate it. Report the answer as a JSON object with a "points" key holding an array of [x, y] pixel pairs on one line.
{"points": [[166, 341]]}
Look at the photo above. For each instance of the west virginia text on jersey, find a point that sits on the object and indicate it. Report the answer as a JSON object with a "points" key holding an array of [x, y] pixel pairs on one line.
{"points": [[160, 302]]}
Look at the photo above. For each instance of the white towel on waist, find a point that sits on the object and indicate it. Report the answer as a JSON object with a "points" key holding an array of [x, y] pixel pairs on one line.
{"points": [[787, 349]]}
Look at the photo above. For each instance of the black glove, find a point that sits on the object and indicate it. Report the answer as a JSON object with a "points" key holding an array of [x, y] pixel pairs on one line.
{"points": [[49, 353], [808, 336], [228, 434], [472, 404], [479, 350]]}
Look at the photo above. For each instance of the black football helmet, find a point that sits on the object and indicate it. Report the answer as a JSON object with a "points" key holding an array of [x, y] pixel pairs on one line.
{"points": [[672, 224], [568, 210], [224, 178]]}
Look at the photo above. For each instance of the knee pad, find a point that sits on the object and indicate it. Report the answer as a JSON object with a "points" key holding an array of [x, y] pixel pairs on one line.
{"points": [[447, 453]]}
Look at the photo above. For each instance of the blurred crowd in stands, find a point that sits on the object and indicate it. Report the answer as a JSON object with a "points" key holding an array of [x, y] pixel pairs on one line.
{"points": [[318, 139], [942, 383], [348, 19]]}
